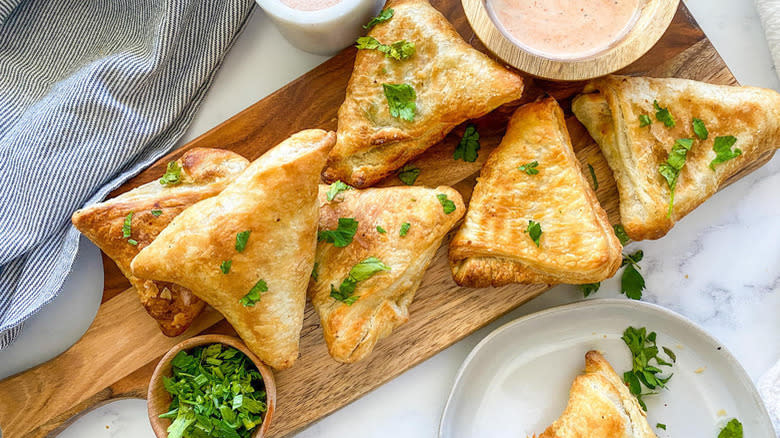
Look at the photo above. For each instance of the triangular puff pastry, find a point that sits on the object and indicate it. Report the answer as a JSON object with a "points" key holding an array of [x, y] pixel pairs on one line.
{"points": [[493, 247], [611, 108], [600, 406], [351, 331], [204, 173], [453, 82], [263, 292]]}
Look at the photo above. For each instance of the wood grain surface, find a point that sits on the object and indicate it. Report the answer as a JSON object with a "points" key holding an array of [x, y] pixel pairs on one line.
{"points": [[117, 355]]}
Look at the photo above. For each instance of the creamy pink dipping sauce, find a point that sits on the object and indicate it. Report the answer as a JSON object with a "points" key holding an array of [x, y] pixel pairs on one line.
{"points": [[310, 5], [565, 28]]}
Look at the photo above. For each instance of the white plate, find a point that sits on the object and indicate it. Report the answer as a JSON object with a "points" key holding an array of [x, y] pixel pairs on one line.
{"points": [[516, 381]]}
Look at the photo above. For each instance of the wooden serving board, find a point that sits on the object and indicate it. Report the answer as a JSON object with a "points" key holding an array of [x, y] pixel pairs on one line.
{"points": [[116, 356]]}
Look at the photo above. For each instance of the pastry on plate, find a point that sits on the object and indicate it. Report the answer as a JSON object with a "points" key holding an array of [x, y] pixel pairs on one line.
{"points": [[600, 406], [125, 225], [362, 286], [248, 251], [672, 142], [412, 83], [533, 217]]}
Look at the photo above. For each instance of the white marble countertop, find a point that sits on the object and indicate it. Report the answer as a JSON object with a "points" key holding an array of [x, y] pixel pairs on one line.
{"points": [[719, 267]]}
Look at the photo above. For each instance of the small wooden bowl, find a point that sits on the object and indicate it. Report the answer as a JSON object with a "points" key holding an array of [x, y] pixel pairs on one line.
{"points": [[159, 400], [654, 19]]}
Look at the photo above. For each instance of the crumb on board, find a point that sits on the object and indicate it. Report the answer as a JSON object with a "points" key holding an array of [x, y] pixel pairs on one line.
{"points": [[721, 413], [699, 370]]}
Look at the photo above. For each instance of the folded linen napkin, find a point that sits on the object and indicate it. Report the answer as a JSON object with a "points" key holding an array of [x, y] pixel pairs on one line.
{"points": [[91, 92], [769, 11]]}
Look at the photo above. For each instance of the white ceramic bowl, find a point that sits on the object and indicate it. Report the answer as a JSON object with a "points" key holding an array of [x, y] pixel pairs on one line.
{"points": [[325, 31]]}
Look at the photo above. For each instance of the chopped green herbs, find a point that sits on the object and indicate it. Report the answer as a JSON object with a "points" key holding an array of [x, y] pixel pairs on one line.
{"points": [[644, 120], [216, 391], [530, 168], [408, 174], [380, 230], [127, 226], [381, 18], [336, 188], [446, 204], [590, 288], [663, 115], [593, 175], [241, 239], [404, 229], [643, 372], [621, 234], [670, 169], [315, 274], [399, 50], [172, 175], [132, 242], [632, 283], [733, 429], [660, 426], [699, 129], [360, 272], [534, 231], [342, 235], [225, 266], [253, 296], [467, 149], [722, 148], [156, 213], [401, 99]]}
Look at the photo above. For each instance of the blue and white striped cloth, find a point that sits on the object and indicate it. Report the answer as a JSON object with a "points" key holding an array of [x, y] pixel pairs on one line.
{"points": [[91, 92]]}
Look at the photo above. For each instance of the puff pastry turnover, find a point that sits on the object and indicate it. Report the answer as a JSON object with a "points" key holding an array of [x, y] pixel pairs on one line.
{"points": [[577, 244], [600, 406], [453, 82], [610, 110], [351, 331], [204, 173], [264, 291]]}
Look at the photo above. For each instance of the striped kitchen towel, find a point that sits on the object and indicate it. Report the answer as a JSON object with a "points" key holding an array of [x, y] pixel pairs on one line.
{"points": [[91, 92]]}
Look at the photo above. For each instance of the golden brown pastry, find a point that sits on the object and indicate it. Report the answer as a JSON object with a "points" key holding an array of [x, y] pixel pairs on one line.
{"points": [[611, 108], [496, 245], [204, 173], [600, 406], [351, 331], [264, 225], [452, 81]]}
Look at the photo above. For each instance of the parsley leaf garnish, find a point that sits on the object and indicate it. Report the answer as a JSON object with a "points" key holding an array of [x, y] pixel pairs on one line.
{"points": [[156, 213], [670, 169], [408, 174], [621, 234], [590, 288], [660, 426], [722, 148], [643, 372], [172, 175], [733, 429], [225, 266], [253, 296], [380, 230], [468, 146], [644, 120], [336, 188], [401, 99], [315, 271], [241, 239], [399, 50], [132, 242], [530, 168], [593, 175], [534, 231], [699, 129], [404, 229], [126, 227], [381, 18], [632, 283], [362, 271], [342, 235], [663, 115], [446, 204]]}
